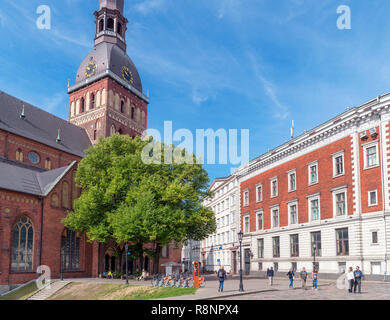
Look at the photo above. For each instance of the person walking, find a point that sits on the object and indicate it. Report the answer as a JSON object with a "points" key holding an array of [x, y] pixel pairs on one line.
{"points": [[315, 279], [303, 277], [270, 275], [290, 275], [351, 279], [358, 275], [221, 275]]}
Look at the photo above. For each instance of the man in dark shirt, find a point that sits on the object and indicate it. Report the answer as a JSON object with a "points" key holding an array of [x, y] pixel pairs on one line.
{"points": [[270, 275], [358, 279], [290, 275], [221, 276]]}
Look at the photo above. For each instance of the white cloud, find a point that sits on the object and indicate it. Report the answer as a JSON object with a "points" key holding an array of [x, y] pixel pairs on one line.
{"points": [[280, 111]]}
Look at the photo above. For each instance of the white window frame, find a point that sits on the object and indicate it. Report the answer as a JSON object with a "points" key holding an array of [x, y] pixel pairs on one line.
{"points": [[260, 212], [277, 187], [335, 192], [273, 208], [369, 198], [289, 205], [290, 173], [260, 185], [309, 200], [244, 217], [309, 166], [334, 157], [367, 146], [245, 204]]}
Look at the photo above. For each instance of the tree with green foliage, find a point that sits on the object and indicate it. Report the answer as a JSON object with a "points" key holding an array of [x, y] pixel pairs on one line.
{"points": [[127, 199]]}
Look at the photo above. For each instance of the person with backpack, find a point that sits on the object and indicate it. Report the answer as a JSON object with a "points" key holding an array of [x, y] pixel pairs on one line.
{"points": [[358, 280], [315, 279], [290, 275], [303, 277], [270, 275], [221, 276]]}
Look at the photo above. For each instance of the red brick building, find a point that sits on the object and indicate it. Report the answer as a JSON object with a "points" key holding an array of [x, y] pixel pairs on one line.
{"points": [[38, 160], [323, 198]]}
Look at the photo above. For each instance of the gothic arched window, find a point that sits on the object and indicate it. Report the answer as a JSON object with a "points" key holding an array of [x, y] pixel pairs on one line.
{"points": [[22, 245], [110, 24], [19, 155], [119, 28], [54, 200], [48, 164], [112, 130], [70, 251], [82, 105], [92, 101], [65, 195], [101, 25], [122, 106], [132, 113]]}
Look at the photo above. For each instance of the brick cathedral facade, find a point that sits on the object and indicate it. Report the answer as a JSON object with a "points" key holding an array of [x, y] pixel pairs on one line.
{"points": [[39, 153]]}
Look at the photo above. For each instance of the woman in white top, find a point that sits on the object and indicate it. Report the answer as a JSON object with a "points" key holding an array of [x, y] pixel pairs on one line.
{"points": [[351, 279]]}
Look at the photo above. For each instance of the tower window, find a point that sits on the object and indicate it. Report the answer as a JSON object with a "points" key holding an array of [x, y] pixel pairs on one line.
{"points": [[101, 25], [122, 106], [94, 134], [119, 28], [132, 113], [92, 102], [110, 24], [82, 105]]}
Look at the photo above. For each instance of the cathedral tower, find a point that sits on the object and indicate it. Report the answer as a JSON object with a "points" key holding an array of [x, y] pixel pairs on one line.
{"points": [[107, 96]]}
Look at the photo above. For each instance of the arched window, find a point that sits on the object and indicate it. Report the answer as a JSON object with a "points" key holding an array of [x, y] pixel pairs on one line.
{"points": [[48, 164], [54, 200], [75, 189], [70, 251], [65, 195], [19, 155], [92, 101], [112, 130], [119, 28], [110, 24], [22, 245], [120, 131], [82, 105], [101, 25], [122, 106], [132, 113]]}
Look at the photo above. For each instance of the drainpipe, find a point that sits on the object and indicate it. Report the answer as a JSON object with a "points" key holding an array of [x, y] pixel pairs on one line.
{"points": [[41, 238], [383, 195]]}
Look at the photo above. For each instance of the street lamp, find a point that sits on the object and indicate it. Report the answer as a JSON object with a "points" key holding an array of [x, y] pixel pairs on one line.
{"points": [[127, 253], [240, 235], [314, 256]]}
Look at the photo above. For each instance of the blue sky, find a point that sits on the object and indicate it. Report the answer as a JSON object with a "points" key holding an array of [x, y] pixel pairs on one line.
{"points": [[233, 64]]}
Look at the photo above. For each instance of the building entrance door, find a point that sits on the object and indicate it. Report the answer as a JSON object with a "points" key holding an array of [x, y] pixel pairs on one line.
{"points": [[247, 254]]}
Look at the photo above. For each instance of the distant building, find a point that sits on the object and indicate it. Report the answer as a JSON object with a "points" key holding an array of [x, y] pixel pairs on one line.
{"points": [[190, 253], [220, 248]]}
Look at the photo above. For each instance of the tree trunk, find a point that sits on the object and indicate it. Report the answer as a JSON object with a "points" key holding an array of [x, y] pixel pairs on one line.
{"points": [[156, 263], [141, 257]]}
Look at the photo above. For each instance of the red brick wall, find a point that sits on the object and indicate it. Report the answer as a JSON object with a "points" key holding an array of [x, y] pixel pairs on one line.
{"points": [[370, 179], [9, 143], [326, 183]]}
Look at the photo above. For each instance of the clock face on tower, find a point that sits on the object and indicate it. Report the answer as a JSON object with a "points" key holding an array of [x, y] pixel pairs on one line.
{"points": [[127, 75], [90, 69]]}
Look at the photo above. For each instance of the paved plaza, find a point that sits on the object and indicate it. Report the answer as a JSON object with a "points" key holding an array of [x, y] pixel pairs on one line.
{"points": [[258, 289]]}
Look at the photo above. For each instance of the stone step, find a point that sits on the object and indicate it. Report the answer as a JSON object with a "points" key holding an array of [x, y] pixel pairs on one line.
{"points": [[47, 291]]}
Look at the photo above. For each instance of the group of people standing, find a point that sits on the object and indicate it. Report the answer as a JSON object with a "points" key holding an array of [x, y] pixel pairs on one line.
{"points": [[291, 276], [354, 280]]}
